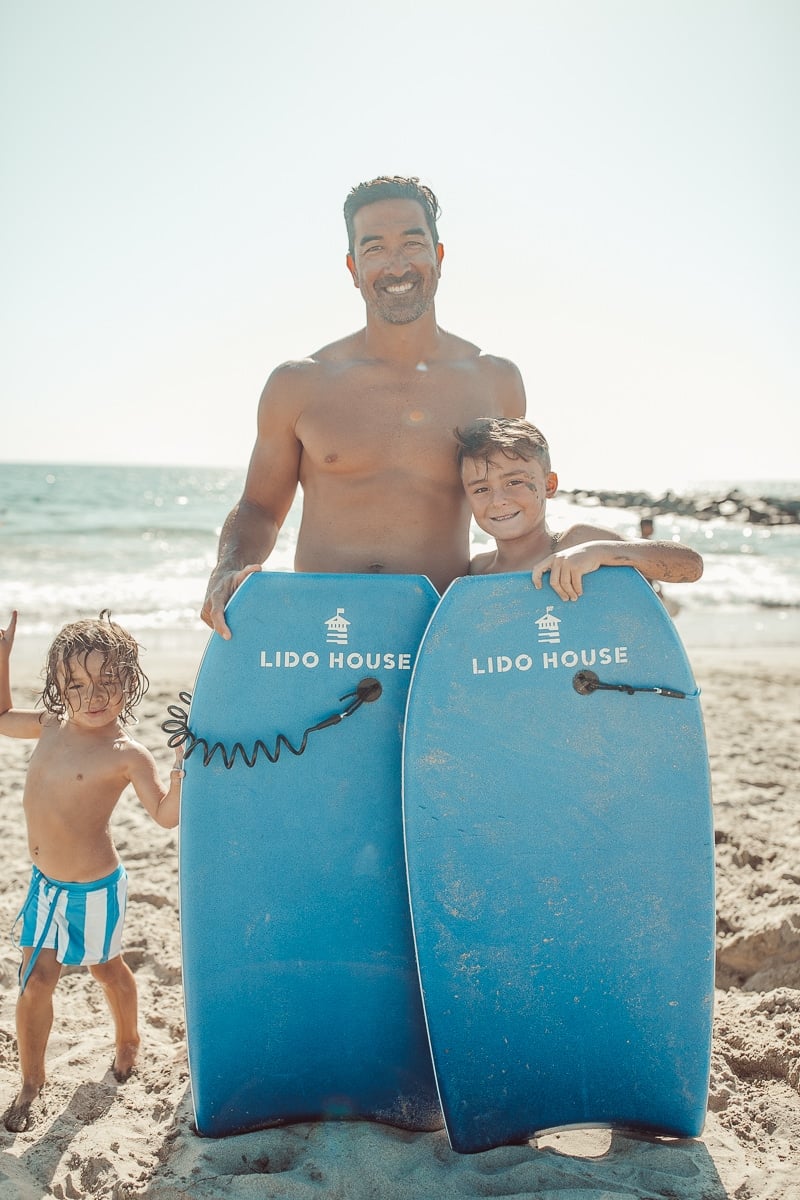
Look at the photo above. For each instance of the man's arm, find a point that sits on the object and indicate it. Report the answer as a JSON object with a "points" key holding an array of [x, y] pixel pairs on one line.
{"points": [[669, 562], [251, 529]]}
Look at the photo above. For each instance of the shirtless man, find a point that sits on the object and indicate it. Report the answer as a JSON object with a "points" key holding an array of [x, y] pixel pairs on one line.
{"points": [[365, 425]]}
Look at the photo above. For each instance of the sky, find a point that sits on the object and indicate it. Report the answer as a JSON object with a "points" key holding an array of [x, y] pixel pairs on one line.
{"points": [[619, 183]]}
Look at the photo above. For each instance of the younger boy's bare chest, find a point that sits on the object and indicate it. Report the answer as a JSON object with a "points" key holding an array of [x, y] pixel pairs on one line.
{"points": [[64, 776]]}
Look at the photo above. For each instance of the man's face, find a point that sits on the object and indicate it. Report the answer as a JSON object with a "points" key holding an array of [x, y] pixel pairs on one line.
{"points": [[394, 263]]}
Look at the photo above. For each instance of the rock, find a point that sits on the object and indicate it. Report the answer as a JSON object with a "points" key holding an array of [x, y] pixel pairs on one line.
{"points": [[733, 505]]}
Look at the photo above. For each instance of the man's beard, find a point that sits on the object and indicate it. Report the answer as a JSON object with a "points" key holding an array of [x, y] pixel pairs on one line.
{"points": [[403, 310]]}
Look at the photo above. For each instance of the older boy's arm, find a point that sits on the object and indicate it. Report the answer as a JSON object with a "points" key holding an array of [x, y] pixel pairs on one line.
{"points": [[669, 562], [162, 803]]}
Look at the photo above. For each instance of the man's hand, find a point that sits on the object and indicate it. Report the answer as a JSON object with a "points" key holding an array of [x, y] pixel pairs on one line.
{"points": [[220, 589]]}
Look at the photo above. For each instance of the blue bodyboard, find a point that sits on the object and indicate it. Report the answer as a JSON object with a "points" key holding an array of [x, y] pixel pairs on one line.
{"points": [[301, 988], [560, 861]]}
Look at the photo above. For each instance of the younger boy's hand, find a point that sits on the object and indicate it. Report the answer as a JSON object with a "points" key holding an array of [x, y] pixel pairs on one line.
{"points": [[567, 569], [7, 636]]}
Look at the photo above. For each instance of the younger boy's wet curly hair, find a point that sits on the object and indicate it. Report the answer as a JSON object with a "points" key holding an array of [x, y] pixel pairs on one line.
{"points": [[120, 657]]}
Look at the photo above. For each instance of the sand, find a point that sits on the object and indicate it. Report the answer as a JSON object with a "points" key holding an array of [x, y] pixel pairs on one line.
{"points": [[95, 1137]]}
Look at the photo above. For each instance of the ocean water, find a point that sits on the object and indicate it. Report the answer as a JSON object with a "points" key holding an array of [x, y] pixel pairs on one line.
{"points": [[141, 541]]}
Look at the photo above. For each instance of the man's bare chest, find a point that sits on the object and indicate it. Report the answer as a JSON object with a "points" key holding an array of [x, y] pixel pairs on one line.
{"points": [[390, 417]]}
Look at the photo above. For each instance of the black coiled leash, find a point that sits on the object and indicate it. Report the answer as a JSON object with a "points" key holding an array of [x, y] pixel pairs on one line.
{"points": [[179, 732]]}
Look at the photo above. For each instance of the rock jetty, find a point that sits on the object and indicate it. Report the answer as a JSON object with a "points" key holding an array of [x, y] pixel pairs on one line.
{"points": [[733, 505]]}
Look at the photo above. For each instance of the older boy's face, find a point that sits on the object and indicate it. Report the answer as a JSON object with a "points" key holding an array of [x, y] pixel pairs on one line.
{"points": [[509, 496], [92, 690]]}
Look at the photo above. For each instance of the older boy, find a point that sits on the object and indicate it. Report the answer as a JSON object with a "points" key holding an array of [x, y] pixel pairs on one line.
{"points": [[505, 470]]}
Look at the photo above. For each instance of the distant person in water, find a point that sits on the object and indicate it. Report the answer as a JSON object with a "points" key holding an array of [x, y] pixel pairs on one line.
{"points": [[83, 761], [364, 425], [506, 473]]}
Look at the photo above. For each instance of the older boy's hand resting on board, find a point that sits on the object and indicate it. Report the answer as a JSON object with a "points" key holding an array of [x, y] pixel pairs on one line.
{"points": [[664, 561]]}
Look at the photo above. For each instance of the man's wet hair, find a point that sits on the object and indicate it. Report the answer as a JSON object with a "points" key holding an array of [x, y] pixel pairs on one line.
{"points": [[512, 436], [391, 187], [77, 641]]}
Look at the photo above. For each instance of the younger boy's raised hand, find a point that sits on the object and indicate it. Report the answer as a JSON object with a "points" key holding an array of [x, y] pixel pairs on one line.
{"points": [[7, 636], [8, 719]]}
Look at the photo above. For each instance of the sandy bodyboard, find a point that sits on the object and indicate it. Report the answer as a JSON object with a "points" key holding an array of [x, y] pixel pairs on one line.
{"points": [[559, 845], [301, 988]]}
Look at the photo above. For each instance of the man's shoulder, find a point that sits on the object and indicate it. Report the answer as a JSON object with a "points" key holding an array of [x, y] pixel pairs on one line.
{"points": [[499, 366], [343, 351], [461, 348], [334, 355], [293, 378], [503, 380], [500, 374]]}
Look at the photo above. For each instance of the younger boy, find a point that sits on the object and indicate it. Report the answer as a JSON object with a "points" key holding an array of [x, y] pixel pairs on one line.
{"points": [[505, 469], [84, 759]]}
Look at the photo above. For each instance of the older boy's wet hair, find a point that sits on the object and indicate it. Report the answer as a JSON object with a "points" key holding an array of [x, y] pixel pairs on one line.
{"points": [[390, 187], [512, 436], [120, 657]]}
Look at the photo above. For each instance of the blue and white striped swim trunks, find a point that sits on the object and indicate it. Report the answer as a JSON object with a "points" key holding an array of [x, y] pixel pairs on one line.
{"points": [[82, 922]]}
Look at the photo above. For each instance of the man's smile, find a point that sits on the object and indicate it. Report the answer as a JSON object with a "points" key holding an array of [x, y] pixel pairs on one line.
{"points": [[399, 287]]}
